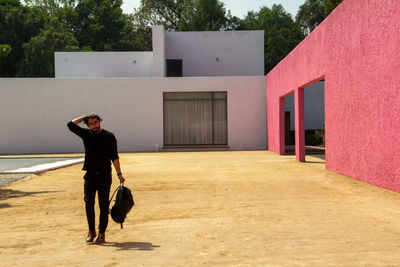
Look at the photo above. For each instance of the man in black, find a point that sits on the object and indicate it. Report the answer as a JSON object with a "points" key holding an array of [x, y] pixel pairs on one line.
{"points": [[100, 150]]}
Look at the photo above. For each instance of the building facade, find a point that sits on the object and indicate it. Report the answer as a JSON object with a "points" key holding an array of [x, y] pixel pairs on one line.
{"points": [[175, 54], [195, 89]]}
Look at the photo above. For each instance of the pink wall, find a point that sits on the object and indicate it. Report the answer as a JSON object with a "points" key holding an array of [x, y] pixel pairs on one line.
{"points": [[357, 50]]}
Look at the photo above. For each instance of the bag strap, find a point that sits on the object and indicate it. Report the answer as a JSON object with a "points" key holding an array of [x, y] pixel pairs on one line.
{"points": [[121, 184]]}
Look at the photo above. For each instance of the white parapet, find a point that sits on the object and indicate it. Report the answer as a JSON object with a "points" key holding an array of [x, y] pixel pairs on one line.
{"points": [[103, 64]]}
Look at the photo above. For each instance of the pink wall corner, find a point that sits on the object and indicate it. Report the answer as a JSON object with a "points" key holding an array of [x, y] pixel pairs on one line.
{"points": [[357, 50]]}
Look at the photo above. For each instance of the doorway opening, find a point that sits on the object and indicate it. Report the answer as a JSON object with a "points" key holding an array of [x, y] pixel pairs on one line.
{"points": [[289, 125], [314, 120]]}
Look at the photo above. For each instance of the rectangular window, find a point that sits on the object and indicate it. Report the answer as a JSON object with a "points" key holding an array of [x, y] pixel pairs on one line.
{"points": [[195, 118], [174, 68]]}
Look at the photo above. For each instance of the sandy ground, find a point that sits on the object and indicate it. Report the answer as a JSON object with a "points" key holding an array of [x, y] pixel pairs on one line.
{"points": [[206, 209]]}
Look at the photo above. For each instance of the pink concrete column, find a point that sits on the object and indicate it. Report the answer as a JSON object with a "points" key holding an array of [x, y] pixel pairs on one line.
{"points": [[299, 124], [282, 126]]}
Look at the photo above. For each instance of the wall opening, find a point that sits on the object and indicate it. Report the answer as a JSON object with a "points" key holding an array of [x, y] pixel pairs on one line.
{"points": [[174, 68], [289, 125], [314, 118]]}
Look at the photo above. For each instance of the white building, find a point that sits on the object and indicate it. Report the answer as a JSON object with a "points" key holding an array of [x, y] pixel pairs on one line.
{"points": [[179, 54], [220, 102]]}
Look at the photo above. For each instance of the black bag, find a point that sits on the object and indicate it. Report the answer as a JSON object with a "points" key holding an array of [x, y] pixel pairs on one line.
{"points": [[123, 204]]}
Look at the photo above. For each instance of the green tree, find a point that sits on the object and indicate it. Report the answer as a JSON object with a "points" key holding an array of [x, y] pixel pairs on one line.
{"points": [[209, 15], [281, 32], [4, 50], [330, 5], [136, 34], [64, 10], [39, 51], [99, 24], [173, 14], [188, 15], [18, 24], [50, 7], [313, 12], [232, 23]]}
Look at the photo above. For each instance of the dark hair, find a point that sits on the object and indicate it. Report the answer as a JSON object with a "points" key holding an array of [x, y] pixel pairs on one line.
{"points": [[91, 116]]}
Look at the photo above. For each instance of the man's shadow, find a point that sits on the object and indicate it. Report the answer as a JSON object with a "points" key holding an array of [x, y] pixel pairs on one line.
{"points": [[131, 245]]}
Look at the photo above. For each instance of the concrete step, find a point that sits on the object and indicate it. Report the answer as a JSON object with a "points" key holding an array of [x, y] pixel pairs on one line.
{"points": [[195, 148]]}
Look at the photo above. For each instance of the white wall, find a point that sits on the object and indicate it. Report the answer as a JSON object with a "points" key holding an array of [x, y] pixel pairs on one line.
{"points": [[314, 106], [103, 64], [159, 50], [240, 53], [34, 112]]}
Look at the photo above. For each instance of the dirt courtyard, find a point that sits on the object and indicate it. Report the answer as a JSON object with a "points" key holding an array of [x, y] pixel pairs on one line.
{"points": [[231, 208]]}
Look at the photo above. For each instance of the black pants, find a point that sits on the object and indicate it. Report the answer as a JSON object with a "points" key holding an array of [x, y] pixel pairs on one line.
{"points": [[101, 183]]}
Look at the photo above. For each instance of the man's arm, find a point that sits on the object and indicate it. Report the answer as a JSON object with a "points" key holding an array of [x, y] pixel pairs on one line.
{"points": [[117, 167], [115, 158], [73, 127], [78, 120]]}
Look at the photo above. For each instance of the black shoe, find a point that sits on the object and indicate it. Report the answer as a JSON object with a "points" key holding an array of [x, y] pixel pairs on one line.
{"points": [[101, 238], [91, 235]]}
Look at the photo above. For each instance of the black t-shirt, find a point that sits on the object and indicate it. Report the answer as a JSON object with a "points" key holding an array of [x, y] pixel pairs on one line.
{"points": [[100, 148]]}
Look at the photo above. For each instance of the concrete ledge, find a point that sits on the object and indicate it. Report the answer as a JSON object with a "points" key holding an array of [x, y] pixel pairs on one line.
{"points": [[40, 168], [195, 148]]}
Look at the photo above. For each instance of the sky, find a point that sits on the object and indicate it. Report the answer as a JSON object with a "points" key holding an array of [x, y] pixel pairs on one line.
{"points": [[238, 8]]}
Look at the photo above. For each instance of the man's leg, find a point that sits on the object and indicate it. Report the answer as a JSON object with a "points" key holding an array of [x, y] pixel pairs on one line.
{"points": [[104, 194], [90, 193]]}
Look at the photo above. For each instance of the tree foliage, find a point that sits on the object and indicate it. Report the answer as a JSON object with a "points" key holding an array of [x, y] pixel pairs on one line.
{"points": [[18, 24], [136, 34], [50, 7], [173, 14], [330, 5], [209, 15], [282, 34], [4, 50], [313, 12], [188, 15], [99, 24], [39, 51]]}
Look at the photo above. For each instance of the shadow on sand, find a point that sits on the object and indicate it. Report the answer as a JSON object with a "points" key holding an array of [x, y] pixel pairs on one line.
{"points": [[130, 245], [5, 205], [10, 193]]}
